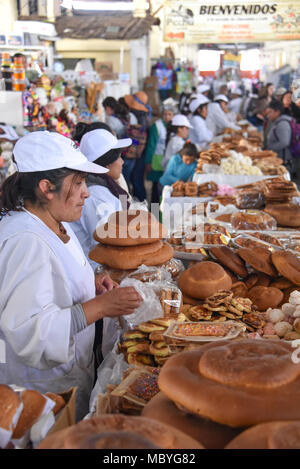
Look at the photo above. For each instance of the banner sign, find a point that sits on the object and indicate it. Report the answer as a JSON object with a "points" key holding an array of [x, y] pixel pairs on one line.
{"points": [[231, 61], [164, 79], [211, 21]]}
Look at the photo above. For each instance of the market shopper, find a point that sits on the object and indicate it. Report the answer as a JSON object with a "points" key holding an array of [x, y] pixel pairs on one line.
{"points": [[217, 119], [102, 148], [48, 305], [177, 135], [286, 100], [279, 134], [116, 116], [200, 135], [258, 114], [235, 103], [181, 166], [155, 149], [134, 168]]}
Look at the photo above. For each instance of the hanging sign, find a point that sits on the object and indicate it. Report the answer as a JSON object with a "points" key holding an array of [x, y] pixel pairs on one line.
{"points": [[217, 22], [231, 61]]}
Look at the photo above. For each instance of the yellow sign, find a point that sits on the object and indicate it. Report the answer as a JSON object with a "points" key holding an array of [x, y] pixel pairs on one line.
{"points": [[236, 21]]}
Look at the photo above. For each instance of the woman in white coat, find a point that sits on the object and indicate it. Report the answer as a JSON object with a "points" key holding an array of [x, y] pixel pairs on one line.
{"points": [[217, 119], [48, 305], [106, 196], [200, 135]]}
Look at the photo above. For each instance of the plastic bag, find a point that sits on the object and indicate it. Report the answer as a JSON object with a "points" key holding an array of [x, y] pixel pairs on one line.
{"points": [[151, 274], [170, 300], [150, 307], [109, 372], [253, 220], [250, 199], [212, 212]]}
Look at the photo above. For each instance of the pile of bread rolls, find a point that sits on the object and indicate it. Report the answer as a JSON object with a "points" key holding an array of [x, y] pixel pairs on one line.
{"points": [[130, 239]]}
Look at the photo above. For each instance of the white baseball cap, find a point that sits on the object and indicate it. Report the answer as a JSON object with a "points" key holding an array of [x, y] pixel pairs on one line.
{"points": [[199, 101], [202, 88], [237, 91], [98, 142], [43, 151], [221, 97], [181, 121]]}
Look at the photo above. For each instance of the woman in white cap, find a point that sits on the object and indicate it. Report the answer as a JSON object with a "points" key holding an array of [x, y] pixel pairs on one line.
{"points": [[217, 119], [106, 196], [203, 89], [200, 135], [177, 135], [48, 302]]}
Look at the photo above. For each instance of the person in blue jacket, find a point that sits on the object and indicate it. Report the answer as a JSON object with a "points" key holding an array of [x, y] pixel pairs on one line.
{"points": [[181, 166]]}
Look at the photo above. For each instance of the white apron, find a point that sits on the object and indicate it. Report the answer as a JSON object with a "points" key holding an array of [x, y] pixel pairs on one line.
{"points": [[41, 280]]}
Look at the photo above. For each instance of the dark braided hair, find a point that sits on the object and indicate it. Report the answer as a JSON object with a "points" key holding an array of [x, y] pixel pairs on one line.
{"points": [[82, 128], [23, 186]]}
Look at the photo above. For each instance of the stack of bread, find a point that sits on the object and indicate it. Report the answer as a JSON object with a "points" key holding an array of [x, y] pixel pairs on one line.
{"points": [[26, 416], [120, 432], [145, 344], [265, 276], [130, 239], [226, 393]]}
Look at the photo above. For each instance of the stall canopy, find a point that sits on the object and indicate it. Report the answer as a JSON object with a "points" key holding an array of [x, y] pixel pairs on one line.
{"points": [[105, 26]]}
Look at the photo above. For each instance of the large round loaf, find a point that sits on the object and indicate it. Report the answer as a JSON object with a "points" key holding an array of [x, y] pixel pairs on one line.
{"points": [[235, 383], [130, 228], [285, 214], [132, 257], [144, 432], [271, 435], [212, 435], [204, 279]]}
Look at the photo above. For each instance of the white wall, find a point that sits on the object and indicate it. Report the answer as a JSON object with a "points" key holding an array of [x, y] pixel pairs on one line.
{"points": [[8, 15], [139, 60]]}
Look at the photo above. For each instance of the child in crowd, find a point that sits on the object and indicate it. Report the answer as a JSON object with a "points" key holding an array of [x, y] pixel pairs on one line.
{"points": [[181, 166], [177, 135]]}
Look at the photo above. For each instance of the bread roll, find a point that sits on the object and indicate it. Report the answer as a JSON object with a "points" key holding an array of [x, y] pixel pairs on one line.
{"points": [[132, 257], [203, 279], [34, 404], [285, 214], [9, 403], [130, 228]]}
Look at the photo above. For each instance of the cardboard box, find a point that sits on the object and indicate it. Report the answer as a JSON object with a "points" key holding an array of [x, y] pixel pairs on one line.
{"points": [[67, 416]]}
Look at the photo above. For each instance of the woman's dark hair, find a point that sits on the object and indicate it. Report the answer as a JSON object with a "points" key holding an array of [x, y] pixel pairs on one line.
{"points": [[123, 103], [284, 94], [120, 111], [199, 108], [20, 187], [171, 129], [82, 128], [276, 106], [189, 149], [108, 157]]}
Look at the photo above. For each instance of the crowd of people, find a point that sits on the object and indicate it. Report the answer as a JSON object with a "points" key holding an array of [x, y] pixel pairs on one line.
{"points": [[62, 188], [163, 157]]}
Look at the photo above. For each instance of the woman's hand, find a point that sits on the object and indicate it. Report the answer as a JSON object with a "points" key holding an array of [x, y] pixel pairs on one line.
{"points": [[113, 303], [123, 300], [104, 283]]}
